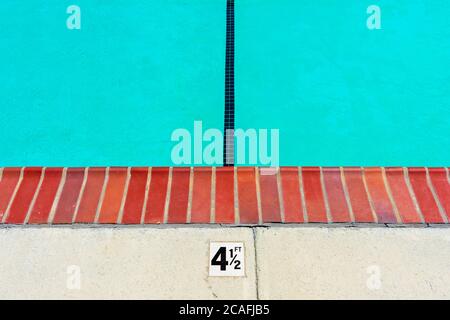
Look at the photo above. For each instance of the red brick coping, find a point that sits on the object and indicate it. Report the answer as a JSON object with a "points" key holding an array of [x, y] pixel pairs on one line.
{"points": [[242, 195]]}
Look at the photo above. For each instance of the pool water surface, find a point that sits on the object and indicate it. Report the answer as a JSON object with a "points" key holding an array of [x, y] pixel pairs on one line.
{"points": [[112, 93]]}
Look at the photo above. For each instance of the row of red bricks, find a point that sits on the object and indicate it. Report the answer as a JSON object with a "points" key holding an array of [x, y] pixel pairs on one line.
{"points": [[245, 195]]}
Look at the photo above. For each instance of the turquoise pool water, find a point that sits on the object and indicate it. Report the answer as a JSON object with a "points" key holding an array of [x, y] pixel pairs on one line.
{"points": [[113, 92]]}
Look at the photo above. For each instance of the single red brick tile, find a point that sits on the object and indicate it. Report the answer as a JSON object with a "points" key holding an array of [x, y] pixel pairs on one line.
{"points": [[380, 198], [441, 184], [358, 197], [157, 192], [179, 195], [248, 205], [405, 205], [10, 178], [112, 200], [270, 203], [335, 194], [91, 195], [46, 196], [134, 202], [312, 188], [69, 196], [224, 205], [201, 196], [24, 195], [293, 209], [429, 208]]}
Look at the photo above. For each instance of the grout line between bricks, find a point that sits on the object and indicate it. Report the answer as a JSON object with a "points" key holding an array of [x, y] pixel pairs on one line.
{"points": [[280, 195], [390, 196], [369, 197], [436, 198], [190, 192], [80, 195], [62, 182], [102, 196], [412, 194], [347, 194], [325, 196], [36, 194], [147, 187], [168, 191], [302, 195], [13, 196], [124, 195]]}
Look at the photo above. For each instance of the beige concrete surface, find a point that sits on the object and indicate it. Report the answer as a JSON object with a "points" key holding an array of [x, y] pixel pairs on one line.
{"points": [[172, 263], [353, 263], [122, 263]]}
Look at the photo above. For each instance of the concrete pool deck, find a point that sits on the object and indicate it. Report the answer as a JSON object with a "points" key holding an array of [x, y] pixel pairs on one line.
{"points": [[309, 232], [171, 262]]}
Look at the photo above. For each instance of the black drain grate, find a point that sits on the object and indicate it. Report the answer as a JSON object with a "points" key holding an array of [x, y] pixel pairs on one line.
{"points": [[228, 145]]}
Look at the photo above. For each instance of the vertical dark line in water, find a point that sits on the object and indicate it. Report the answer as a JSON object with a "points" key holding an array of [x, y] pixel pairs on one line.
{"points": [[228, 143]]}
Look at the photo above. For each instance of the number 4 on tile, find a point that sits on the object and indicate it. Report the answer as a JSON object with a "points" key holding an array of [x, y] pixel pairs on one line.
{"points": [[227, 259]]}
